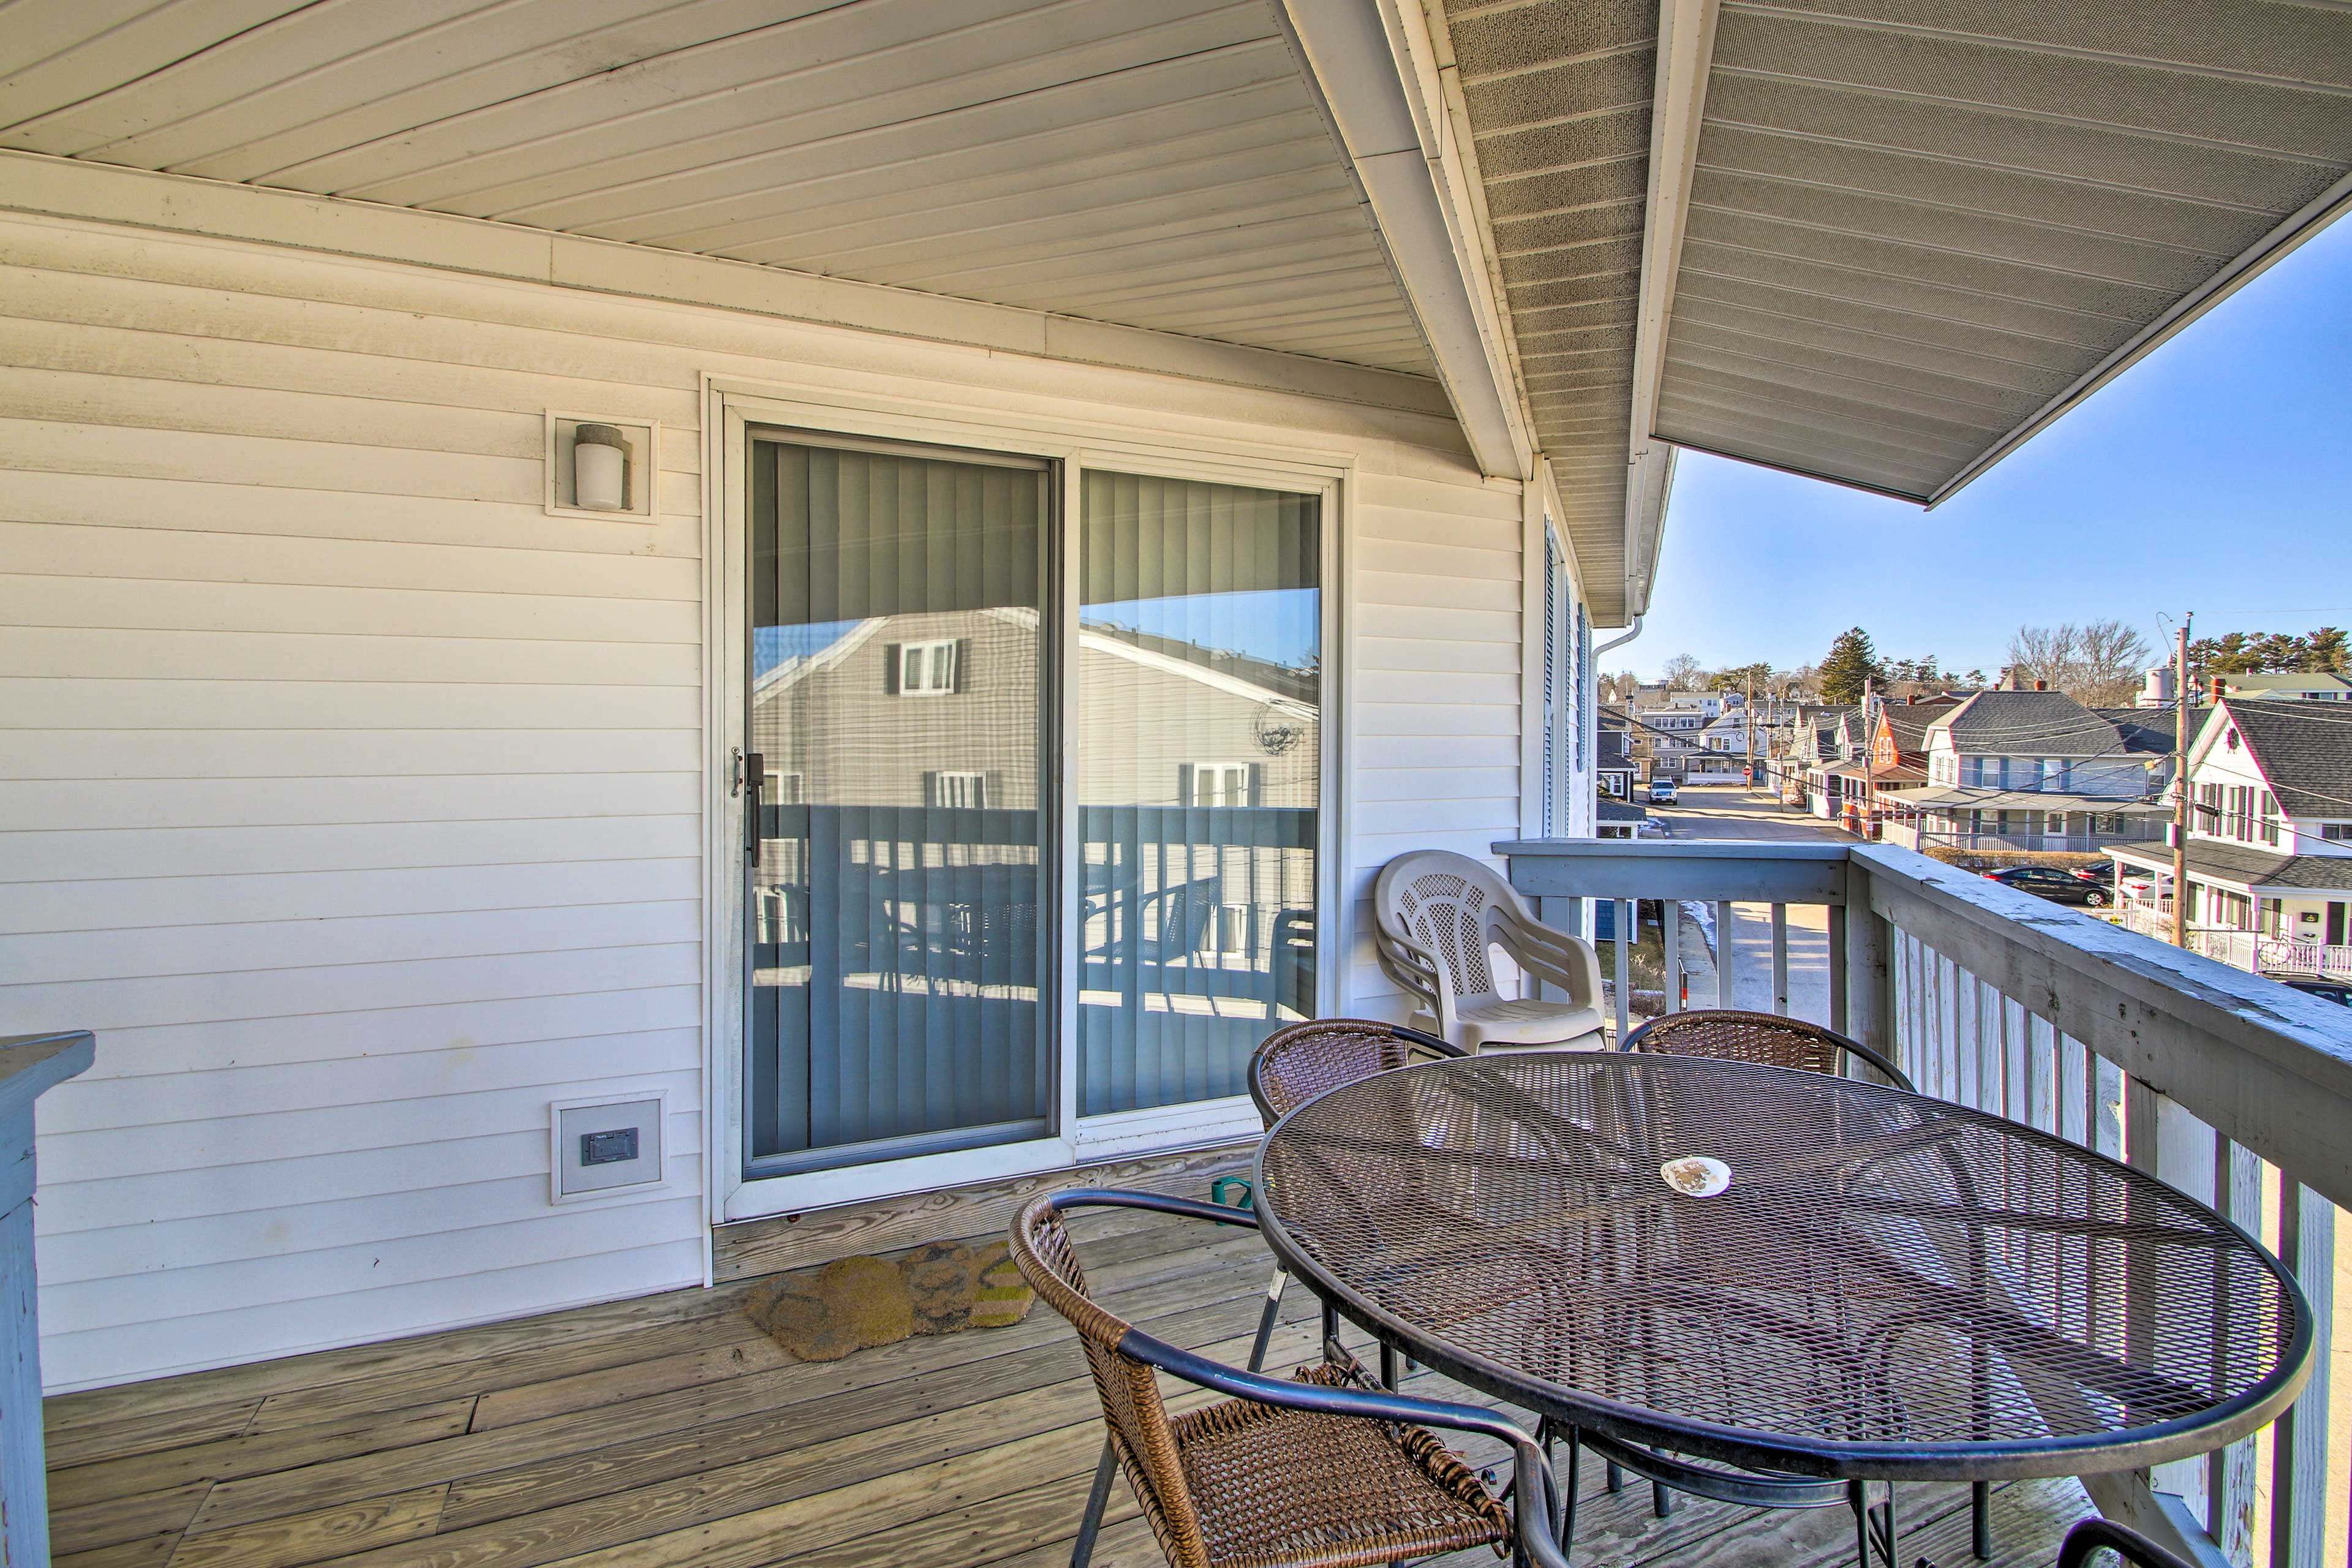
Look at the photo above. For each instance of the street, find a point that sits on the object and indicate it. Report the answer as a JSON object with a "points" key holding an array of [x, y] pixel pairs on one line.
{"points": [[1735, 812]]}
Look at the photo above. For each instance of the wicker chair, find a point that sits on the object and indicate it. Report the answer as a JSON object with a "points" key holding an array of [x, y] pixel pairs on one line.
{"points": [[1320, 1471], [1766, 1039], [1293, 1065], [1439, 913]]}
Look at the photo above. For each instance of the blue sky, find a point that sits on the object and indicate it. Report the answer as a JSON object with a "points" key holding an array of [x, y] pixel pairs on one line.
{"points": [[2212, 476]]}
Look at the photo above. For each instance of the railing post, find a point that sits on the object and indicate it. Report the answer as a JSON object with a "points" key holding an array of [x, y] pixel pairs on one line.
{"points": [[30, 1064], [1869, 967], [2299, 1454]]}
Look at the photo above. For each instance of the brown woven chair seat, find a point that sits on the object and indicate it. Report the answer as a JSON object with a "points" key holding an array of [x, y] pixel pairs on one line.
{"points": [[1325, 1470], [1303, 1490]]}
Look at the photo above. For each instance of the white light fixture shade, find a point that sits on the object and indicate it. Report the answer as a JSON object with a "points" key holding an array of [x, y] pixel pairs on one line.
{"points": [[600, 468]]}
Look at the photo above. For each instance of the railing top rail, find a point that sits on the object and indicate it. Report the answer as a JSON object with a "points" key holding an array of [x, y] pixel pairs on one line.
{"points": [[2264, 1064], [1680, 849], [1736, 869], [32, 1063]]}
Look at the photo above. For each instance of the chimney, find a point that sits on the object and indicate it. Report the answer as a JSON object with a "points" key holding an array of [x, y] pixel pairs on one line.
{"points": [[2040, 686], [2220, 687]]}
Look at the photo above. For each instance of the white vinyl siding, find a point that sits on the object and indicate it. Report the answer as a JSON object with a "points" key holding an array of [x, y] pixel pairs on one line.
{"points": [[1439, 675], [357, 802]]}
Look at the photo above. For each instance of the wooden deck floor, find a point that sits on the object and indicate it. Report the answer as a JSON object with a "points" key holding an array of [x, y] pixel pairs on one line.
{"points": [[667, 1432]]}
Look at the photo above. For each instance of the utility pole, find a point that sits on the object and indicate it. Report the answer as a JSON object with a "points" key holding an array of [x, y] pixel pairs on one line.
{"points": [[1748, 728], [2180, 784]]}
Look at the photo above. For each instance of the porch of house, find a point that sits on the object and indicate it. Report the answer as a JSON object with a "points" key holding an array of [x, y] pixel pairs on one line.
{"points": [[670, 1429]]}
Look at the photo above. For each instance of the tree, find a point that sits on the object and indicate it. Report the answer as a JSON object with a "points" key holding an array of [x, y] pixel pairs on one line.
{"points": [[2098, 663], [2327, 653], [1740, 677], [2320, 652], [1682, 673], [1852, 662], [1908, 679]]}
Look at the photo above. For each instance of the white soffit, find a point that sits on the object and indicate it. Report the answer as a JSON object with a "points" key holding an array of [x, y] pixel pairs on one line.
{"points": [[1558, 94], [1159, 165], [1920, 231]]}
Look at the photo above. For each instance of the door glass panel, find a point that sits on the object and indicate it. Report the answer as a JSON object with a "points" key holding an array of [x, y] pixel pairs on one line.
{"points": [[1199, 765], [895, 968]]}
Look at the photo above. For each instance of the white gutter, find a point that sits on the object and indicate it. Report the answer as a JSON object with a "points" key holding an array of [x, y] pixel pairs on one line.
{"points": [[1619, 642], [1369, 90], [1685, 52]]}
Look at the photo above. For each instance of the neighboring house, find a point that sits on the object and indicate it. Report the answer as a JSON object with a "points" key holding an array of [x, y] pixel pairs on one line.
{"points": [[2306, 686], [2034, 771], [1618, 819], [1899, 741], [1612, 769], [2269, 855], [1723, 744], [1666, 739], [1828, 757]]}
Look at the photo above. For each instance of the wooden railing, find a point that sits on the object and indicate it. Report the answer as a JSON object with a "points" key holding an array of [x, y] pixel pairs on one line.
{"points": [[2231, 1087], [30, 1064]]}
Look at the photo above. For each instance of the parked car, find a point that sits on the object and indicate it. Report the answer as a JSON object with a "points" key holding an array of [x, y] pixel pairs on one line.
{"points": [[2102, 874], [2335, 991], [2049, 883], [1663, 792]]}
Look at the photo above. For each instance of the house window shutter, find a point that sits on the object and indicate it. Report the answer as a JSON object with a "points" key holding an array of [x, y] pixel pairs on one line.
{"points": [[962, 664], [891, 654], [1551, 693], [1256, 787], [1184, 784]]}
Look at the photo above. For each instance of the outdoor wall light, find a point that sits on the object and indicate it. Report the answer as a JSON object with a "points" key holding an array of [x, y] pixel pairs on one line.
{"points": [[600, 468]]}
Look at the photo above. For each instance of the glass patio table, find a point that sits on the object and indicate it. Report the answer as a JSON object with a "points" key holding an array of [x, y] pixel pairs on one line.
{"points": [[1890, 1288]]}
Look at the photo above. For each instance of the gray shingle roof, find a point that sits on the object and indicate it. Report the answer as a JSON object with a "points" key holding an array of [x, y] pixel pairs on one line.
{"points": [[2029, 724], [2307, 756], [2146, 730], [2248, 866], [1909, 721]]}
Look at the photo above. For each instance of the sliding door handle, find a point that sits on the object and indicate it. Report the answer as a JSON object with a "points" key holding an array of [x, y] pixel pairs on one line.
{"points": [[755, 788]]}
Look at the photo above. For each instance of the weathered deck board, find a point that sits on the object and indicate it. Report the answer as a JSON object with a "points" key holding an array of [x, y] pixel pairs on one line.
{"points": [[668, 1433]]}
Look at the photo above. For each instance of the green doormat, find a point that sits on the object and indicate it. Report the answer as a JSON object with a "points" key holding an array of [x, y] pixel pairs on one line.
{"points": [[854, 1303]]}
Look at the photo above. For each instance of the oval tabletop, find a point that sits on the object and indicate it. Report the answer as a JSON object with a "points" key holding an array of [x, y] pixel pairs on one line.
{"points": [[1889, 1286]]}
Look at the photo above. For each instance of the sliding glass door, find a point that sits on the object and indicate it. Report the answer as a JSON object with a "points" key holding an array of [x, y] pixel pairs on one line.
{"points": [[1199, 779], [896, 974], [1037, 802]]}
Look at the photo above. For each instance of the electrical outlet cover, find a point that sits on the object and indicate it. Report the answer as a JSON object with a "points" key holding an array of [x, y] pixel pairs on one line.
{"points": [[575, 1127]]}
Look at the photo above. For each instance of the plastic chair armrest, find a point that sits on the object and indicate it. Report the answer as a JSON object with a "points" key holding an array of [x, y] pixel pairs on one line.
{"points": [[1567, 962], [1414, 970]]}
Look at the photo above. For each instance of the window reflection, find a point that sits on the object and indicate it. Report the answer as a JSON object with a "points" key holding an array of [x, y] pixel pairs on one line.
{"points": [[1198, 769]]}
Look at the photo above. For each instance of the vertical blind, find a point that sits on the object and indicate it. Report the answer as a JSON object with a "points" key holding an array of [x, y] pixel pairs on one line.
{"points": [[897, 969], [1199, 781]]}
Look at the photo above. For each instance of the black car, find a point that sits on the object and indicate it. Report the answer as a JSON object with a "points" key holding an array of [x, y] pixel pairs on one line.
{"points": [[2335, 991], [2058, 887]]}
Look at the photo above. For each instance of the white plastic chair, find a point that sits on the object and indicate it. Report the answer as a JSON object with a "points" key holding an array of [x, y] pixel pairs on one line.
{"points": [[1439, 914]]}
